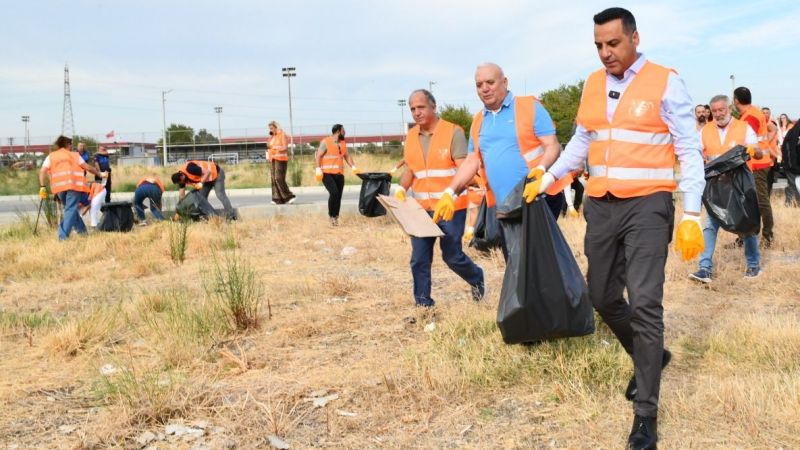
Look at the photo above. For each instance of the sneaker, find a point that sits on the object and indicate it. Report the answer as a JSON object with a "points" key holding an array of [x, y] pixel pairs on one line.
{"points": [[702, 275], [291, 200], [273, 202], [334, 221], [753, 272]]}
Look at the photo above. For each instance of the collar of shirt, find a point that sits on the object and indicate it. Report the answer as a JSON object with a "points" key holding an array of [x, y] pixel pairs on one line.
{"points": [[506, 104], [631, 71]]}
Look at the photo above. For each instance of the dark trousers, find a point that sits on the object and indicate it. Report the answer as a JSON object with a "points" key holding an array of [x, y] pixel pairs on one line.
{"points": [[452, 254], [334, 184], [280, 190], [153, 193], [219, 190], [626, 244], [764, 207]]}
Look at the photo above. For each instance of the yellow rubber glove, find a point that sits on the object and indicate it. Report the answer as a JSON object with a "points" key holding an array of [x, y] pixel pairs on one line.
{"points": [[469, 232], [445, 208], [198, 186], [42, 193], [318, 175], [393, 171], [689, 238], [571, 212], [400, 193], [355, 170], [538, 182]]}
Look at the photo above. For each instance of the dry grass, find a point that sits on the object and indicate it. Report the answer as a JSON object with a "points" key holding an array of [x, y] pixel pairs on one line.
{"points": [[338, 324]]}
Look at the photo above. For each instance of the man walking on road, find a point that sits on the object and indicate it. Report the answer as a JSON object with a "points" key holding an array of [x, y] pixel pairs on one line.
{"points": [[434, 149], [634, 118]]}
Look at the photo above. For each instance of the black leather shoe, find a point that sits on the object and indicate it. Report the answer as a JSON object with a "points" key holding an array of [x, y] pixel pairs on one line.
{"points": [[630, 391], [644, 434]]}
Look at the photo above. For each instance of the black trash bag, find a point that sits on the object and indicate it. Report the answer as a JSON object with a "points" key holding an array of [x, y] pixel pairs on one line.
{"points": [[117, 216], [544, 295], [195, 207], [372, 185], [487, 233], [730, 193]]}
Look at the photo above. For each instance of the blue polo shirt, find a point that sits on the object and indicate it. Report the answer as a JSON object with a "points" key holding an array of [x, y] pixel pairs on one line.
{"points": [[499, 149]]}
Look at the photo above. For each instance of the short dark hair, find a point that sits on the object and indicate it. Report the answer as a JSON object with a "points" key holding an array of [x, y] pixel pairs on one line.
{"points": [[176, 178], [767, 108], [743, 95], [607, 15], [63, 142], [336, 128]]}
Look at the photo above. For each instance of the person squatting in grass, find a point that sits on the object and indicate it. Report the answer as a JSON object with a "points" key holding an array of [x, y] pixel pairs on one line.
{"points": [[434, 150], [635, 117], [205, 175], [66, 170]]}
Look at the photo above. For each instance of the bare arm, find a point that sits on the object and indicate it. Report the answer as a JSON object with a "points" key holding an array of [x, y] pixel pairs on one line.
{"points": [[551, 150], [349, 160], [406, 179], [90, 169], [772, 130], [466, 170], [42, 176]]}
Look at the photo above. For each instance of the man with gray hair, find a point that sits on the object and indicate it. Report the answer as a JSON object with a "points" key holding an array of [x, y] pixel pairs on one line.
{"points": [[719, 136], [434, 150]]}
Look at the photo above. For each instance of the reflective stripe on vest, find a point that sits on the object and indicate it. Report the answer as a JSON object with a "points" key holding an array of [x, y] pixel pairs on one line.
{"points": [[433, 172], [633, 154], [65, 173], [736, 134], [763, 143], [529, 145], [333, 159]]}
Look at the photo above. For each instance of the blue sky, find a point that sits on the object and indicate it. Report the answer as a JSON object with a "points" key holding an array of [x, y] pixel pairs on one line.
{"points": [[354, 59]]}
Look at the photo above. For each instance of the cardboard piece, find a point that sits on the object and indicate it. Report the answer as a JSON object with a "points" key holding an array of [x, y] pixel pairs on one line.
{"points": [[414, 220]]}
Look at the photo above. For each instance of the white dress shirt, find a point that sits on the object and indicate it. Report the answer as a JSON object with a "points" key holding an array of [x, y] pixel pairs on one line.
{"points": [[677, 111]]}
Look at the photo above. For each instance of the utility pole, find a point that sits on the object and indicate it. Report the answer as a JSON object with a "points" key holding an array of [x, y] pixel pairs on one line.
{"points": [[67, 122], [430, 86], [733, 84], [25, 120], [164, 120], [402, 104], [218, 110], [289, 72]]}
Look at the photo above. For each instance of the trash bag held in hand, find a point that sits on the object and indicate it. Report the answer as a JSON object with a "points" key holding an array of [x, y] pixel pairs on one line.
{"points": [[372, 185], [195, 207], [730, 193], [487, 229], [544, 294], [117, 216]]}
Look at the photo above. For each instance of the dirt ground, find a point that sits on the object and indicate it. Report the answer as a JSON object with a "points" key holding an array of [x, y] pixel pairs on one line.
{"points": [[105, 342]]}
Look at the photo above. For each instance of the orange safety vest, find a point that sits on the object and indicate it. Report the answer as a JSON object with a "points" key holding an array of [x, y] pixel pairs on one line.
{"points": [[633, 155], [95, 189], [333, 159], [65, 173], [151, 180], [766, 160], [205, 165], [277, 147], [529, 145], [713, 147], [434, 174]]}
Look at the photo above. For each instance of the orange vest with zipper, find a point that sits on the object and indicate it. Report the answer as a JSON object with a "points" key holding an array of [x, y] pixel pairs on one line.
{"points": [[65, 173], [151, 180], [529, 145], [432, 175], [333, 160], [277, 147], [205, 165], [632, 155], [713, 147], [766, 160]]}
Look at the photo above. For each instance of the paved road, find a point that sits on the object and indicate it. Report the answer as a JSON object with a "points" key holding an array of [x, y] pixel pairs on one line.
{"points": [[250, 202]]}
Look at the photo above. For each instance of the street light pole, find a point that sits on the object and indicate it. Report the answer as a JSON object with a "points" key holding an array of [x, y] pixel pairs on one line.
{"points": [[402, 104], [733, 83], [218, 110], [164, 122], [289, 72], [25, 120], [430, 86]]}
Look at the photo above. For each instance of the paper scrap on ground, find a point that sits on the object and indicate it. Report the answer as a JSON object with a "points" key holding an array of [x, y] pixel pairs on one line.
{"points": [[414, 220]]}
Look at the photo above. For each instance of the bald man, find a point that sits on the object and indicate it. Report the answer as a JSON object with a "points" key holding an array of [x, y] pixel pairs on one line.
{"points": [[511, 137]]}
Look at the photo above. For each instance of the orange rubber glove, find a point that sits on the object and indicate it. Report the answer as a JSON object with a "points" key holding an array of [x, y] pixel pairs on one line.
{"points": [[538, 182], [689, 238], [445, 207]]}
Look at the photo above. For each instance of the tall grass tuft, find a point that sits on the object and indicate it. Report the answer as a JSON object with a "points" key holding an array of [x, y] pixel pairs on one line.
{"points": [[177, 240], [234, 288]]}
